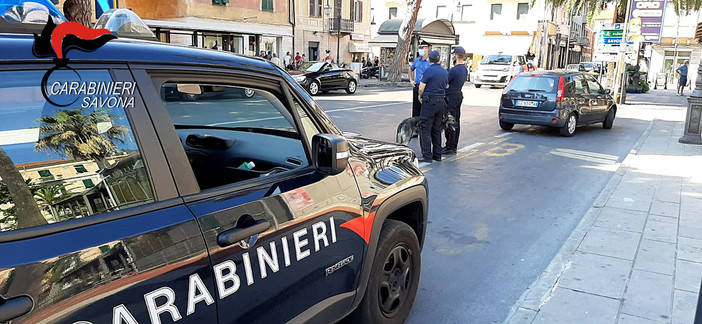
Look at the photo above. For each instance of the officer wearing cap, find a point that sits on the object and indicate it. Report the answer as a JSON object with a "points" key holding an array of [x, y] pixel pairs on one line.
{"points": [[456, 78], [417, 69], [432, 94]]}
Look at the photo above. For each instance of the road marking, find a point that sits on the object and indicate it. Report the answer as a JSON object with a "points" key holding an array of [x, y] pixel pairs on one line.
{"points": [[504, 149], [462, 155], [470, 147], [503, 135], [366, 107], [495, 142], [586, 156]]}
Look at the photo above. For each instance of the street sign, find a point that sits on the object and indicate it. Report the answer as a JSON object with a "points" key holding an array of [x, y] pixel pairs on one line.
{"points": [[610, 41], [611, 33], [605, 57]]}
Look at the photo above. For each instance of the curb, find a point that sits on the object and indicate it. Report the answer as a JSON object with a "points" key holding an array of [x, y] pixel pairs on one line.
{"points": [[539, 292], [387, 84]]}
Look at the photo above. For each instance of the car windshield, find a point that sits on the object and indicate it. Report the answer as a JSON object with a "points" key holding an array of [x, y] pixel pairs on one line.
{"points": [[497, 59], [588, 65], [312, 66], [530, 83]]}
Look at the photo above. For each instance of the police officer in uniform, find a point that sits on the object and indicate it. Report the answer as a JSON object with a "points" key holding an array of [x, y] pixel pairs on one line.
{"points": [[416, 72], [432, 95], [456, 78]]}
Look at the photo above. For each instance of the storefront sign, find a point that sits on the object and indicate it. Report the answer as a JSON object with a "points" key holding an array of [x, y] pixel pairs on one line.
{"points": [[646, 19], [611, 33], [357, 37]]}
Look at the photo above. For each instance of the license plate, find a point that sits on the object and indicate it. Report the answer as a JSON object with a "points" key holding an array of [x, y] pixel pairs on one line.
{"points": [[526, 103]]}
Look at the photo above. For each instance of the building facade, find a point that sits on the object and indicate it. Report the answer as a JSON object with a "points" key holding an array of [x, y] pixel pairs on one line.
{"points": [[340, 26]]}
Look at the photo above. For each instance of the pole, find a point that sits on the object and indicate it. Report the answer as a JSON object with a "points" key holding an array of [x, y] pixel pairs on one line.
{"points": [[618, 76], [544, 39], [570, 31], [338, 39], [673, 66]]}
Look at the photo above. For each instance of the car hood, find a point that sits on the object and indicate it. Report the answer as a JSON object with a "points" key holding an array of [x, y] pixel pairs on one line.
{"points": [[377, 151]]}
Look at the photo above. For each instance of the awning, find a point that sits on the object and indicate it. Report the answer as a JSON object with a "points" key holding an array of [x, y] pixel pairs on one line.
{"points": [[211, 25], [359, 48], [384, 41], [439, 40]]}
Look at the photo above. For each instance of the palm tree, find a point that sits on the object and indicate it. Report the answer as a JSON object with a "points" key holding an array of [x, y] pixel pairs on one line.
{"points": [[79, 11], [48, 196], [26, 209], [76, 135]]}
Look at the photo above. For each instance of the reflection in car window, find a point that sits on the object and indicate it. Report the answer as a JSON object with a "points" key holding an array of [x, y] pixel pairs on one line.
{"points": [[62, 163], [314, 67], [232, 134], [579, 85], [593, 86]]}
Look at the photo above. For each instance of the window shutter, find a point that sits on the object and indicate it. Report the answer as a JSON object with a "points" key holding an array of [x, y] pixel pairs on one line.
{"points": [[352, 4], [360, 11], [312, 8]]}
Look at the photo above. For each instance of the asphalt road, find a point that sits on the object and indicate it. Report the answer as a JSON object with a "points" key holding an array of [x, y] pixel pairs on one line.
{"points": [[499, 210]]}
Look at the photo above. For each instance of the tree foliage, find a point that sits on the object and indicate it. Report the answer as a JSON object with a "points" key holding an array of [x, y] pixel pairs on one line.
{"points": [[682, 7], [404, 40], [76, 135]]}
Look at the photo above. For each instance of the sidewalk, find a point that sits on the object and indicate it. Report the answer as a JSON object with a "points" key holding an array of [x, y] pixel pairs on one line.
{"points": [[636, 256]]}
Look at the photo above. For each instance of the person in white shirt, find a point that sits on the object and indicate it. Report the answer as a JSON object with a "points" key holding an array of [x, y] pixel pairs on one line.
{"points": [[287, 59]]}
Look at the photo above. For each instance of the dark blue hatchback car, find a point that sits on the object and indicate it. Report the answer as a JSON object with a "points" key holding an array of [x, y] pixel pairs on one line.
{"points": [[561, 99], [236, 201]]}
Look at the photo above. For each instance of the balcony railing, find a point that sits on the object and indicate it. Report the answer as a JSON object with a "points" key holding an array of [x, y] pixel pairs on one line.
{"points": [[346, 25]]}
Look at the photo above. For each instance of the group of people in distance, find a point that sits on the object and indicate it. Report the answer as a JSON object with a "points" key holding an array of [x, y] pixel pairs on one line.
{"points": [[288, 62], [437, 92]]}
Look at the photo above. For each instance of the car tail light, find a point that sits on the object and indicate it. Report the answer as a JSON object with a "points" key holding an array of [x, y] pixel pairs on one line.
{"points": [[561, 89], [504, 91]]}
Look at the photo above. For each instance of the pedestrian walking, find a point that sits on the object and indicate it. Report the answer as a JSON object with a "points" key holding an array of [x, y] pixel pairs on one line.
{"points": [[298, 58], [417, 69], [682, 71], [432, 95], [456, 78]]}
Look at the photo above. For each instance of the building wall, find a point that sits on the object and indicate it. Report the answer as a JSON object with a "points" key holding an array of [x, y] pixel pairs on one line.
{"points": [[309, 30]]}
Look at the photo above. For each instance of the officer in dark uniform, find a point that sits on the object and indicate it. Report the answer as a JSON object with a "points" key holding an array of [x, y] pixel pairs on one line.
{"points": [[456, 78], [432, 95]]}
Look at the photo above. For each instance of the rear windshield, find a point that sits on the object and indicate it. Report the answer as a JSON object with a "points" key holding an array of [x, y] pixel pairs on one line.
{"points": [[541, 83], [497, 59]]}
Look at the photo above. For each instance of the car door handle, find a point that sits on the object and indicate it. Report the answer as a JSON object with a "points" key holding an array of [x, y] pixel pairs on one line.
{"points": [[593, 102], [234, 235], [15, 307]]}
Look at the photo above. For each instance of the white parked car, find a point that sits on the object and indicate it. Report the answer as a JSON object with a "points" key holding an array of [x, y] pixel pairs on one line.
{"points": [[498, 70]]}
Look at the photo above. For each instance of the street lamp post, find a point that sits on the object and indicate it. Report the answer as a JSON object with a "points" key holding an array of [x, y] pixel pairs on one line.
{"points": [[693, 119]]}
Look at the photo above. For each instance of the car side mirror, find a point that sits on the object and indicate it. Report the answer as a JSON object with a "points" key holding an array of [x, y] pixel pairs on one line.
{"points": [[330, 153], [607, 91]]}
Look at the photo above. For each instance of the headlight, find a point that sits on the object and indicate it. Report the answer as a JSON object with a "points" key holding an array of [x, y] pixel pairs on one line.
{"points": [[299, 78]]}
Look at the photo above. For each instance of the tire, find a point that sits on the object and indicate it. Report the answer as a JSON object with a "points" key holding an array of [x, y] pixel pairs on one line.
{"points": [[397, 242], [314, 88], [478, 85], [506, 126], [609, 120], [248, 93], [351, 88], [569, 128]]}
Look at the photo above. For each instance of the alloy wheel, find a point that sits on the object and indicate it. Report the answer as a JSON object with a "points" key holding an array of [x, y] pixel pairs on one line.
{"points": [[395, 280]]}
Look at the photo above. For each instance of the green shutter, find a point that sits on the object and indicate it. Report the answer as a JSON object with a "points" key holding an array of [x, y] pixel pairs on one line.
{"points": [[88, 183], [44, 173], [80, 168], [217, 2]]}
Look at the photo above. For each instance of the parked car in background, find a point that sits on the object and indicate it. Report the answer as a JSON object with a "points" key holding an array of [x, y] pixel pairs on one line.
{"points": [[324, 76], [498, 70], [562, 99]]}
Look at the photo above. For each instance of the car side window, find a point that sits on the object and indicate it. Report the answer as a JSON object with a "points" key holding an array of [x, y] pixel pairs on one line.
{"points": [[231, 134], [579, 85], [71, 157], [593, 86]]}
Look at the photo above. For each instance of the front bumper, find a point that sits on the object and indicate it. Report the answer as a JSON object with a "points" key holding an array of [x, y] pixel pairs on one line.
{"points": [[532, 117], [491, 79]]}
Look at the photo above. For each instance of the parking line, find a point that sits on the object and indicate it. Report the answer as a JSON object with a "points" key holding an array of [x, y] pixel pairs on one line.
{"points": [[470, 147], [366, 107], [495, 142], [503, 135]]}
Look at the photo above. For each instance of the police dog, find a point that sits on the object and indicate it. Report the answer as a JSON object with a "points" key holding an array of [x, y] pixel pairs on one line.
{"points": [[409, 128]]}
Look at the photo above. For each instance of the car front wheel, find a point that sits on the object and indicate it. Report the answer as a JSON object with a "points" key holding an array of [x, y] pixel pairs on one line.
{"points": [[314, 88], [352, 87], [609, 120], [569, 128], [394, 277]]}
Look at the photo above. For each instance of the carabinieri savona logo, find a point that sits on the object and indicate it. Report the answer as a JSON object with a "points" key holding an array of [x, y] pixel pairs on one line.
{"points": [[63, 86]]}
